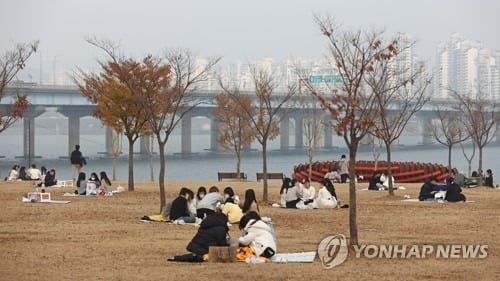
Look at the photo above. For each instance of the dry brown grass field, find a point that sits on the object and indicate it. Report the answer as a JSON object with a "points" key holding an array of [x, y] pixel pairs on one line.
{"points": [[102, 238]]}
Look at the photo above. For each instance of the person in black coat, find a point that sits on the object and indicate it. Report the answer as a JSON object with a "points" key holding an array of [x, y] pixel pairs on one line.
{"points": [[375, 183], [212, 232], [50, 178], [428, 189], [488, 179], [77, 161], [453, 193], [180, 208]]}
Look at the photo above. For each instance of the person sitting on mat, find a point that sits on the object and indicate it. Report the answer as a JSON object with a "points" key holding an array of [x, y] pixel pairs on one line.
{"points": [[250, 203], [290, 193], [375, 183], [258, 237], [232, 211], [327, 198], [206, 206], [229, 193], [454, 193], [212, 232], [428, 189], [180, 206]]}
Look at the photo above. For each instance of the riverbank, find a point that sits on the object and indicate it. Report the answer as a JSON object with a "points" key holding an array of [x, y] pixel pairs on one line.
{"points": [[103, 239]]}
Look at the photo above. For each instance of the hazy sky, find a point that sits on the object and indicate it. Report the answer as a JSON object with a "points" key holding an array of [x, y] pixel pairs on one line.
{"points": [[233, 29]]}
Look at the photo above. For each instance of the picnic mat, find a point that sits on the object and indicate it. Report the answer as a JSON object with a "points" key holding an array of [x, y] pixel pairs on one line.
{"points": [[431, 201], [395, 188], [26, 200], [71, 194], [154, 218], [294, 257]]}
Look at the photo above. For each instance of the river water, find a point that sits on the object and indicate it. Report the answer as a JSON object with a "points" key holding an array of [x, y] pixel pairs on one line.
{"points": [[203, 165]]}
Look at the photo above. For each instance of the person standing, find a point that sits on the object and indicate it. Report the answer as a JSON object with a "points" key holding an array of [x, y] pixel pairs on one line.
{"points": [[344, 169], [76, 162]]}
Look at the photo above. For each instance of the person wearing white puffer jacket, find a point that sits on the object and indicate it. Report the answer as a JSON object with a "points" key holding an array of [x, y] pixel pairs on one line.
{"points": [[258, 235], [326, 196]]}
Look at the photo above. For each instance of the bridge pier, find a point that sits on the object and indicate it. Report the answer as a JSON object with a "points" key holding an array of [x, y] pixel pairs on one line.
{"points": [[112, 140], [186, 134], [427, 131], [299, 132], [214, 134], [498, 134], [327, 133], [145, 145], [29, 131], [74, 116], [285, 133]]}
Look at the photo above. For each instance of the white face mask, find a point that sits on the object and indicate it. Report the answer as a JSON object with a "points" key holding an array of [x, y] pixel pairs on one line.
{"points": [[226, 196], [92, 178], [201, 195]]}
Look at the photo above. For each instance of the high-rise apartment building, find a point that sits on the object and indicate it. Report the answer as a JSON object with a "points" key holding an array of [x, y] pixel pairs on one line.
{"points": [[466, 67]]}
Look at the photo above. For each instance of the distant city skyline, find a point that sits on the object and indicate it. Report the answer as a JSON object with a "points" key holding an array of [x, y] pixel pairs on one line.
{"points": [[246, 31]]}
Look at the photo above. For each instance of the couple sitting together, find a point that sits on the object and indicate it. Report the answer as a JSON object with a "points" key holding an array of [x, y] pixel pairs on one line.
{"points": [[257, 240]]}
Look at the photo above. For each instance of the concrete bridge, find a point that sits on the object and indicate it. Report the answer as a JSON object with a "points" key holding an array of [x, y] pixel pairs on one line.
{"points": [[68, 101]]}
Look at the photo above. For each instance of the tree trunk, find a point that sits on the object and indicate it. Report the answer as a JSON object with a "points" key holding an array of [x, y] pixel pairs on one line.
{"points": [[150, 153], [264, 168], [389, 168], [161, 175], [449, 156], [130, 165], [310, 166], [151, 167], [353, 226], [238, 163], [114, 167], [480, 169]]}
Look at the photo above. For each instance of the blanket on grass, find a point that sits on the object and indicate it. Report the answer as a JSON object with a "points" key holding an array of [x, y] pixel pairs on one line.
{"points": [[395, 188], [26, 200], [432, 201], [294, 257]]}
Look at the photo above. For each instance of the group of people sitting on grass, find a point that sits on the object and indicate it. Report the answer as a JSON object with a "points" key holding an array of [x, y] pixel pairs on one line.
{"points": [[40, 177], [302, 195], [452, 189], [188, 207], [215, 212], [257, 240], [93, 185]]}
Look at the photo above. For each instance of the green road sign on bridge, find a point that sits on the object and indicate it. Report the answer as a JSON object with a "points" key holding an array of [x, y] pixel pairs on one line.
{"points": [[325, 78]]}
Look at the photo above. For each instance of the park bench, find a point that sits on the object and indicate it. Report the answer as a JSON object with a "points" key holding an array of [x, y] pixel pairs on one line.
{"points": [[230, 175], [270, 176]]}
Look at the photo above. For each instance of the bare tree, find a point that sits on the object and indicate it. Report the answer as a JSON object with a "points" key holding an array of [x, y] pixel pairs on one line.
{"points": [[235, 130], [168, 103], [376, 150], [266, 112], [11, 62], [351, 107], [480, 118], [468, 157], [312, 131], [449, 131], [399, 91]]}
